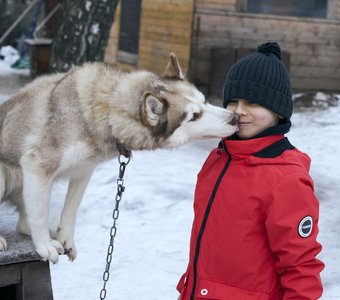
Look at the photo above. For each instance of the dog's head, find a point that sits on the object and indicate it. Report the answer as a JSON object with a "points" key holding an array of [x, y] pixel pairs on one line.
{"points": [[176, 111]]}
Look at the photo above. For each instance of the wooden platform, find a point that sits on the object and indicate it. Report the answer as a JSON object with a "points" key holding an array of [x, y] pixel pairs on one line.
{"points": [[22, 273]]}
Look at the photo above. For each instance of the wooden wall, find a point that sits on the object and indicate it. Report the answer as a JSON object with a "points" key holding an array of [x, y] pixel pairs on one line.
{"points": [[313, 44], [112, 46], [166, 26]]}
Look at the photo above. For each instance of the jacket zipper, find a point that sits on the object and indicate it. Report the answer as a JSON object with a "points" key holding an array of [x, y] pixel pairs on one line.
{"points": [[205, 219]]}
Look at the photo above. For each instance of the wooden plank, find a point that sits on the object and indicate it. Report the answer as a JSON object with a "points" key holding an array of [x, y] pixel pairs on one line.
{"points": [[154, 52], [20, 247], [155, 47], [336, 6], [170, 23], [21, 265], [203, 2], [158, 67], [216, 7], [156, 14], [162, 2], [112, 47], [167, 32], [9, 275], [313, 44], [170, 7], [316, 50], [165, 27], [315, 84], [32, 280], [314, 61], [150, 44], [312, 72], [155, 59], [231, 29], [173, 37], [36, 281], [325, 36], [296, 26]]}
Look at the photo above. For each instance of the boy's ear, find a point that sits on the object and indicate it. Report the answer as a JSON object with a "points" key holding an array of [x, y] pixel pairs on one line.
{"points": [[173, 69]]}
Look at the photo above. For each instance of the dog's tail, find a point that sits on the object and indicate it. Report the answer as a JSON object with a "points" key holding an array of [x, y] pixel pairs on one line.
{"points": [[10, 181]]}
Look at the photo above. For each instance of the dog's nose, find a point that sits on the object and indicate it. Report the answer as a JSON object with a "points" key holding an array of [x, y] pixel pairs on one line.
{"points": [[234, 120]]}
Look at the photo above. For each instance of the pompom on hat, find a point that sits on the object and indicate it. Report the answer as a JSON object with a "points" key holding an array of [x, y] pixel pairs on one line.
{"points": [[262, 78]]}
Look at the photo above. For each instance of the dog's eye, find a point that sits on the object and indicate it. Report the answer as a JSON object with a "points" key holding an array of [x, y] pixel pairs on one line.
{"points": [[194, 117]]}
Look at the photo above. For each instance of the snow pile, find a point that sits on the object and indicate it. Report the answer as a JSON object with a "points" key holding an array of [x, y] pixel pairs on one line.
{"points": [[325, 100], [8, 56], [315, 101]]}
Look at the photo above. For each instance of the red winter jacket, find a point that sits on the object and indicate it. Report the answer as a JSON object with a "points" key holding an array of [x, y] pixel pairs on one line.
{"points": [[255, 226]]}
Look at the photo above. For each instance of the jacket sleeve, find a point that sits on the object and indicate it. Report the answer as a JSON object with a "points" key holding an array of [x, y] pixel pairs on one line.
{"points": [[292, 228]]}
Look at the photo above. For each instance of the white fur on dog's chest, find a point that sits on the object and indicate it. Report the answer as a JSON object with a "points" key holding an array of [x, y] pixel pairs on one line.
{"points": [[75, 160]]}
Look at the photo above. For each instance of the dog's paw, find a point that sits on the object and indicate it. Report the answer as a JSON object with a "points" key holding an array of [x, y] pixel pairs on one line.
{"points": [[3, 244], [64, 235], [71, 253], [68, 244], [50, 251]]}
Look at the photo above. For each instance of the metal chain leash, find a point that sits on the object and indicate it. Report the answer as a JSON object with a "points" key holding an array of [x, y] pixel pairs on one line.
{"points": [[115, 215]]}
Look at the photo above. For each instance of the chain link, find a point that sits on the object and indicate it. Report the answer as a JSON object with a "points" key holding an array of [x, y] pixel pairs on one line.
{"points": [[115, 215]]}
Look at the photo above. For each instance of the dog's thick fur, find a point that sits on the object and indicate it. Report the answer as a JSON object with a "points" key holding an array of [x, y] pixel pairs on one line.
{"points": [[64, 125]]}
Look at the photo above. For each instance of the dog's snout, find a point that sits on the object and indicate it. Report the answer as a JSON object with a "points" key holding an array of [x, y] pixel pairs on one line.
{"points": [[234, 120]]}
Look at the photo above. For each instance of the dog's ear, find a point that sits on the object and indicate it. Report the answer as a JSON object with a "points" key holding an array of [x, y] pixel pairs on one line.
{"points": [[173, 69], [153, 109]]}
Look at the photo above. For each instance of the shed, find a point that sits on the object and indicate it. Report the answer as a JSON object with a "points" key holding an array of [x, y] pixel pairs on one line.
{"points": [[209, 35]]}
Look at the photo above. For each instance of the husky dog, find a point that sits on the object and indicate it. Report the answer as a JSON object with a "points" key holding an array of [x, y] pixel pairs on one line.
{"points": [[64, 125]]}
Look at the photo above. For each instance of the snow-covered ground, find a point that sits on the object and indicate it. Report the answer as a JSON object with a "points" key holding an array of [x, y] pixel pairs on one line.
{"points": [[151, 246]]}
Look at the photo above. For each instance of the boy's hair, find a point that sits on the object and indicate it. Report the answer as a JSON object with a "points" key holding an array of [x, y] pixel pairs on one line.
{"points": [[262, 78]]}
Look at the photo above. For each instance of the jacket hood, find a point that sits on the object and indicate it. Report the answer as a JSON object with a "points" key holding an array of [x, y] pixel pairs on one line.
{"points": [[269, 150]]}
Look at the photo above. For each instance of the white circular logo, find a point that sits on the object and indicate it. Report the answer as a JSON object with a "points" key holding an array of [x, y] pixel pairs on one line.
{"points": [[305, 227], [204, 292]]}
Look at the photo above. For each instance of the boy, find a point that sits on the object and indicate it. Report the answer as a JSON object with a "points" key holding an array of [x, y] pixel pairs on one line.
{"points": [[256, 215]]}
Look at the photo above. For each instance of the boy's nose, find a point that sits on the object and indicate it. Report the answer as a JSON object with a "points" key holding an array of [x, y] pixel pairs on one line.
{"points": [[240, 110]]}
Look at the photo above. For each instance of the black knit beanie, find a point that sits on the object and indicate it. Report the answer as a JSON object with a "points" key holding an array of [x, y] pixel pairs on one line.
{"points": [[262, 78]]}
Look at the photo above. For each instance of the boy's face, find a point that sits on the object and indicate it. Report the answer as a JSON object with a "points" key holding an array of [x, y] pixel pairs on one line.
{"points": [[253, 118]]}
